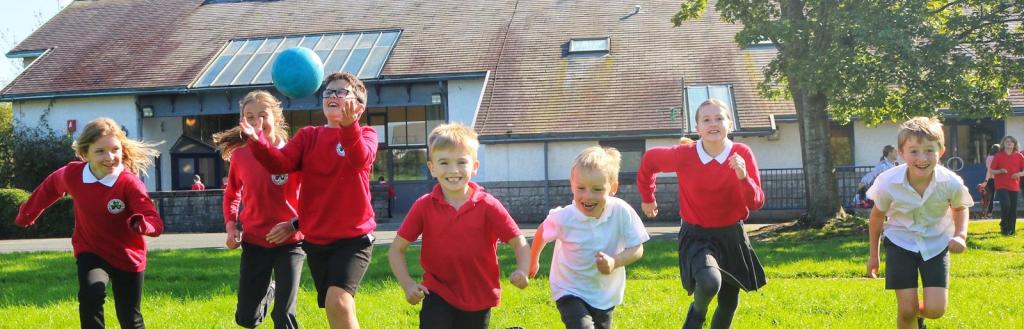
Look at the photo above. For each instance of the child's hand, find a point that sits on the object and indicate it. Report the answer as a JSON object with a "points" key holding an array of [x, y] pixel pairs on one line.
{"points": [[352, 111], [534, 268], [957, 245], [737, 163], [873, 267], [519, 279], [234, 237], [415, 293], [248, 131], [280, 232], [605, 263], [650, 209]]}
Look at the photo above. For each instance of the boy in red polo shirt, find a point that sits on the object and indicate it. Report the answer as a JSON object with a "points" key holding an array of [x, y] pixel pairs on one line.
{"points": [[460, 225]]}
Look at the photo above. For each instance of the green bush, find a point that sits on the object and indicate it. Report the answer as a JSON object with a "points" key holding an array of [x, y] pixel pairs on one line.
{"points": [[29, 154], [57, 221]]}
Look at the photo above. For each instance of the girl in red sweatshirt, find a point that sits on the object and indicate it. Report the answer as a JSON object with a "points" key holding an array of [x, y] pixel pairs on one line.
{"points": [[268, 200], [719, 186], [112, 213]]}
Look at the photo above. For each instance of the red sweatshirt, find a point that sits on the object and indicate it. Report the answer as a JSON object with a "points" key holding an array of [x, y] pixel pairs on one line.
{"points": [[267, 199], [1013, 163], [335, 194], [103, 215], [709, 194]]}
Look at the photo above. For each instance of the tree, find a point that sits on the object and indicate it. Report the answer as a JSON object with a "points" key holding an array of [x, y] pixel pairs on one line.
{"points": [[877, 60]]}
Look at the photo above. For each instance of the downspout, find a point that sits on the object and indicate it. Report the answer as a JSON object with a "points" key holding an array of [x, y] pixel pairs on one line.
{"points": [[547, 184]]}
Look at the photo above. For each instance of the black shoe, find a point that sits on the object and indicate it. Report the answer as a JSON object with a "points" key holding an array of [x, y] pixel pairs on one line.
{"points": [[920, 323]]}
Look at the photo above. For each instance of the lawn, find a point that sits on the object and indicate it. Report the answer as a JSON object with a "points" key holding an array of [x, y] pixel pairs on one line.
{"points": [[815, 280]]}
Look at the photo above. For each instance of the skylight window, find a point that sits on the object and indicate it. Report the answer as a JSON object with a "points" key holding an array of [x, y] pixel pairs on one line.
{"points": [[248, 61], [588, 45]]}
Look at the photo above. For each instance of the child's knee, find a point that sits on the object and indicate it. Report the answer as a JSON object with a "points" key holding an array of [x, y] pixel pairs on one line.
{"points": [[94, 294], [708, 282], [933, 312], [339, 301], [907, 314]]}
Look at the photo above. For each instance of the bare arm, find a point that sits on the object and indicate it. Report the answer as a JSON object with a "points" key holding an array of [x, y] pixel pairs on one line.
{"points": [[414, 292], [519, 277], [535, 250], [874, 237], [959, 242]]}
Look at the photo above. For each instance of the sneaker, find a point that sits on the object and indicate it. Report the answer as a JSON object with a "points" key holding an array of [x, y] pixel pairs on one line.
{"points": [[920, 323]]}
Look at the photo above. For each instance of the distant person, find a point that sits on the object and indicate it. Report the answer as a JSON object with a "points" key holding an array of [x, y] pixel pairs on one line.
{"points": [[197, 183]]}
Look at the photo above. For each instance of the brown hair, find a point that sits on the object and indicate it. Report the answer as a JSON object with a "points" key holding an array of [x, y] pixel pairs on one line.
{"points": [[921, 128], [720, 104], [1016, 147], [357, 85], [136, 155], [606, 160], [453, 135], [230, 140]]}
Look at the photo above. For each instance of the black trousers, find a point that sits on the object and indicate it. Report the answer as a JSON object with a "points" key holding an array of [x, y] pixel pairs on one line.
{"points": [[577, 314], [255, 292], [94, 274], [1008, 205], [438, 314]]}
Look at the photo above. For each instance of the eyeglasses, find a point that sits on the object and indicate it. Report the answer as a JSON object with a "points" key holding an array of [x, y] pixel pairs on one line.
{"points": [[341, 93]]}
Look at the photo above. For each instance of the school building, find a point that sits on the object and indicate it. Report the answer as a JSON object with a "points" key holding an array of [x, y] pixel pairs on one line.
{"points": [[538, 80]]}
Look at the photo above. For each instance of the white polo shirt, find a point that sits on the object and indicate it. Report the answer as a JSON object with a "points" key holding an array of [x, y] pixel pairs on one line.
{"points": [[919, 223], [578, 238]]}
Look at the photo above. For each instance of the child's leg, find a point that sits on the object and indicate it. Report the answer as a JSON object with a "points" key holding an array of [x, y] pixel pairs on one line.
{"points": [[472, 320], [254, 289], [602, 318], [728, 301], [436, 313], [935, 300], [935, 280], [288, 272], [907, 308], [345, 269], [708, 283], [575, 313], [92, 290], [127, 288]]}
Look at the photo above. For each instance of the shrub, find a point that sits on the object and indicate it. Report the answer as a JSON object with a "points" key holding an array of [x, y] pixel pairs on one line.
{"points": [[57, 221]]}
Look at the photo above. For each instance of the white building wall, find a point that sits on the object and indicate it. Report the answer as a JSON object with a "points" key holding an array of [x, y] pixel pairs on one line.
{"points": [[783, 152], [120, 108], [167, 131], [1015, 127], [869, 141], [464, 98]]}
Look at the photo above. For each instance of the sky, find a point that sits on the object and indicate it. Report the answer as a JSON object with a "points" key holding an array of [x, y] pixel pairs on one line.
{"points": [[18, 19]]}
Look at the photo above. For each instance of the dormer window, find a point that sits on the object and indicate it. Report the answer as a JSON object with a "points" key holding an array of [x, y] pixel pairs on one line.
{"points": [[589, 45]]}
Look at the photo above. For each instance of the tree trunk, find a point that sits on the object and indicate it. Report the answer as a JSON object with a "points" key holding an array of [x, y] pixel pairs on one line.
{"points": [[820, 185]]}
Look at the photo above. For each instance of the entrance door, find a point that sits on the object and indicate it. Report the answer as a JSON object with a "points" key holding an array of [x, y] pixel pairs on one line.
{"points": [[967, 144]]}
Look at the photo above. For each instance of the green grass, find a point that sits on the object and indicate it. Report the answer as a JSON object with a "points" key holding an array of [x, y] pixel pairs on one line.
{"points": [[815, 280]]}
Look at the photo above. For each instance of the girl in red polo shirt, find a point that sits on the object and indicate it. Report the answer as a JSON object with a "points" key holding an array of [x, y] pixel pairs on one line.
{"points": [[269, 200], [1008, 167], [112, 213], [719, 186]]}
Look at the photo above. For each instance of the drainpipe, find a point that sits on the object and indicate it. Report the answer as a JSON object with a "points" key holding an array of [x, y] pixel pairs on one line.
{"points": [[547, 184]]}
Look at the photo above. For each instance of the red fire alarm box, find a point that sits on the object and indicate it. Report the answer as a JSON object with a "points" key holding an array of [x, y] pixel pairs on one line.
{"points": [[72, 126]]}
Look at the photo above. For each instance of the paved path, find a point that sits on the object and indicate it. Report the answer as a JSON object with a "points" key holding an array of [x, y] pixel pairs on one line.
{"points": [[385, 234]]}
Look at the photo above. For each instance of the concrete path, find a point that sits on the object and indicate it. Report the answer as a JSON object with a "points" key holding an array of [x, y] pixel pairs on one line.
{"points": [[385, 234]]}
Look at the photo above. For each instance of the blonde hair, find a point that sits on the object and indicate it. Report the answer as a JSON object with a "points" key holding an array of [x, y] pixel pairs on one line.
{"points": [[685, 140], [921, 128], [453, 136], [136, 155], [1016, 147], [606, 160], [230, 140], [718, 103]]}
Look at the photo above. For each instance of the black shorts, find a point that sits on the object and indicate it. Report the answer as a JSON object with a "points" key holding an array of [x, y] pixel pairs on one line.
{"points": [[902, 267], [340, 264]]}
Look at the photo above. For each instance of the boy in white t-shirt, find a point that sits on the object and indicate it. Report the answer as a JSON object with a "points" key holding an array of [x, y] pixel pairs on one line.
{"points": [[595, 238], [926, 206]]}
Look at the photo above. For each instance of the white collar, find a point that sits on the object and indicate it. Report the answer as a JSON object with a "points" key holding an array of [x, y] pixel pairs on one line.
{"points": [[705, 158], [109, 180]]}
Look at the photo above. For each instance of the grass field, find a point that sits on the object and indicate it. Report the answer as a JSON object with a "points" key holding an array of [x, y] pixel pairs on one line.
{"points": [[815, 280]]}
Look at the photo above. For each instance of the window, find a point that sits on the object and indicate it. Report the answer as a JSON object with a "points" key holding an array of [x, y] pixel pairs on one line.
{"points": [[589, 45], [841, 144], [402, 132], [202, 128], [632, 151], [695, 95], [248, 61]]}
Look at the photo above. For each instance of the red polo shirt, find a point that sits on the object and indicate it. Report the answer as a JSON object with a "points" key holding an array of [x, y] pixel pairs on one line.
{"points": [[1013, 163], [459, 253]]}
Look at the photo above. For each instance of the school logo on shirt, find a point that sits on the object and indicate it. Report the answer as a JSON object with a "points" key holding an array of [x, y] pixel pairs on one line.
{"points": [[340, 150], [279, 179], [115, 206]]}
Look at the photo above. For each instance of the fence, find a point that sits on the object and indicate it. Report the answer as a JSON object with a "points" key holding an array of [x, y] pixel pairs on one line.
{"points": [[785, 189]]}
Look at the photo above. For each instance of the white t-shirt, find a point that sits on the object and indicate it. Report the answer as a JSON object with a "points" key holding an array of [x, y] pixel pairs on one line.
{"points": [[578, 238], [919, 223]]}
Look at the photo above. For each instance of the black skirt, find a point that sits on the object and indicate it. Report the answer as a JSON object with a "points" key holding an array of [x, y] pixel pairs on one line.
{"points": [[726, 248]]}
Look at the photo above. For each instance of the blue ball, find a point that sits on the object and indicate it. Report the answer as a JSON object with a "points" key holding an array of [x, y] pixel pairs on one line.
{"points": [[297, 72]]}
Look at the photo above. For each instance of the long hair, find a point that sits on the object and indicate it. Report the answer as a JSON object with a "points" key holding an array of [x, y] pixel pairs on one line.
{"points": [[1016, 147], [886, 150], [136, 155], [230, 140]]}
